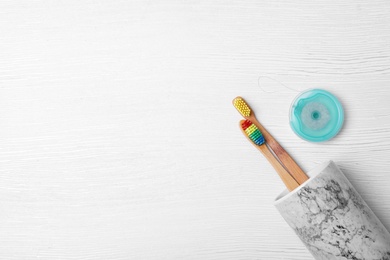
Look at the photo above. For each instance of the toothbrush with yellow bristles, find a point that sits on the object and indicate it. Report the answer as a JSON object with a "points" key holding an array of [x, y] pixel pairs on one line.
{"points": [[292, 167], [257, 139]]}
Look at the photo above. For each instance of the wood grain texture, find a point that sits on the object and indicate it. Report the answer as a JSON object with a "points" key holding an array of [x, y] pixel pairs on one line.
{"points": [[118, 139]]}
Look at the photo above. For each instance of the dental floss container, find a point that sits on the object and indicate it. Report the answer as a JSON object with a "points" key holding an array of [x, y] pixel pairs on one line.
{"points": [[316, 115]]}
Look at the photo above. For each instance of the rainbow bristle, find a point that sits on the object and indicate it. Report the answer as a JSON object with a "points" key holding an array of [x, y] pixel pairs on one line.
{"points": [[253, 132], [241, 106]]}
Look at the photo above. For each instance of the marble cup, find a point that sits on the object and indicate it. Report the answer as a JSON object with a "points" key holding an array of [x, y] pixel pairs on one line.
{"points": [[331, 218]]}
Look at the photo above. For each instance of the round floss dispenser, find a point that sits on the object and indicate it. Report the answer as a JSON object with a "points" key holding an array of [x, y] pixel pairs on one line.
{"points": [[316, 115]]}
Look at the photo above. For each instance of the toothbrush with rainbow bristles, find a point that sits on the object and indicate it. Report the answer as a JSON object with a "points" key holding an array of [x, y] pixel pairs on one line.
{"points": [[257, 139], [295, 171]]}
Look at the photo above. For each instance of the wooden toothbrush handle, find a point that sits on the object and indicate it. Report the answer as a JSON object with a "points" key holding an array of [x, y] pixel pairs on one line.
{"points": [[283, 156], [288, 180]]}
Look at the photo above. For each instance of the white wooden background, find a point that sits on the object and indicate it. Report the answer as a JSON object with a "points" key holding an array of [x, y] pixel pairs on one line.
{"points": [[118, 139]]}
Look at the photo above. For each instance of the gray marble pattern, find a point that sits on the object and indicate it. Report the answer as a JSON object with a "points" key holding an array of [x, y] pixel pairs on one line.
{"points": [[333, 221]]}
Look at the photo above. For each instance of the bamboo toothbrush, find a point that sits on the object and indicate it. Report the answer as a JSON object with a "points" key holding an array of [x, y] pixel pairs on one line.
{"points": [[288, 162], [257, 139]]}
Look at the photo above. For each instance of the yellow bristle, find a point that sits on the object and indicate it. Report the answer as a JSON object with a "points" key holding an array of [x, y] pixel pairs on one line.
{"points": [[251, 129], [242, 107]]}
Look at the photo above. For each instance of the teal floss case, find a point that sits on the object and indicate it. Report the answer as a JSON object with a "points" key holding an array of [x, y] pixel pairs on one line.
{"points": [[316, 115]]}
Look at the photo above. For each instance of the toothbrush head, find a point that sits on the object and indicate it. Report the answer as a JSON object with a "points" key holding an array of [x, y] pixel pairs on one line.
{"points": [[241, 106], [252, 132]]}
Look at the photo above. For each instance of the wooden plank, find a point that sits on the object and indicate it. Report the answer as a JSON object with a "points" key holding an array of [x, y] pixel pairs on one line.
{"points": [[118, 139]]}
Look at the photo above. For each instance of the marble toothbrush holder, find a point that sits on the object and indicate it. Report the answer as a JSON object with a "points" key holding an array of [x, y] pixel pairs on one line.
{"points": [[332, 219]]}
